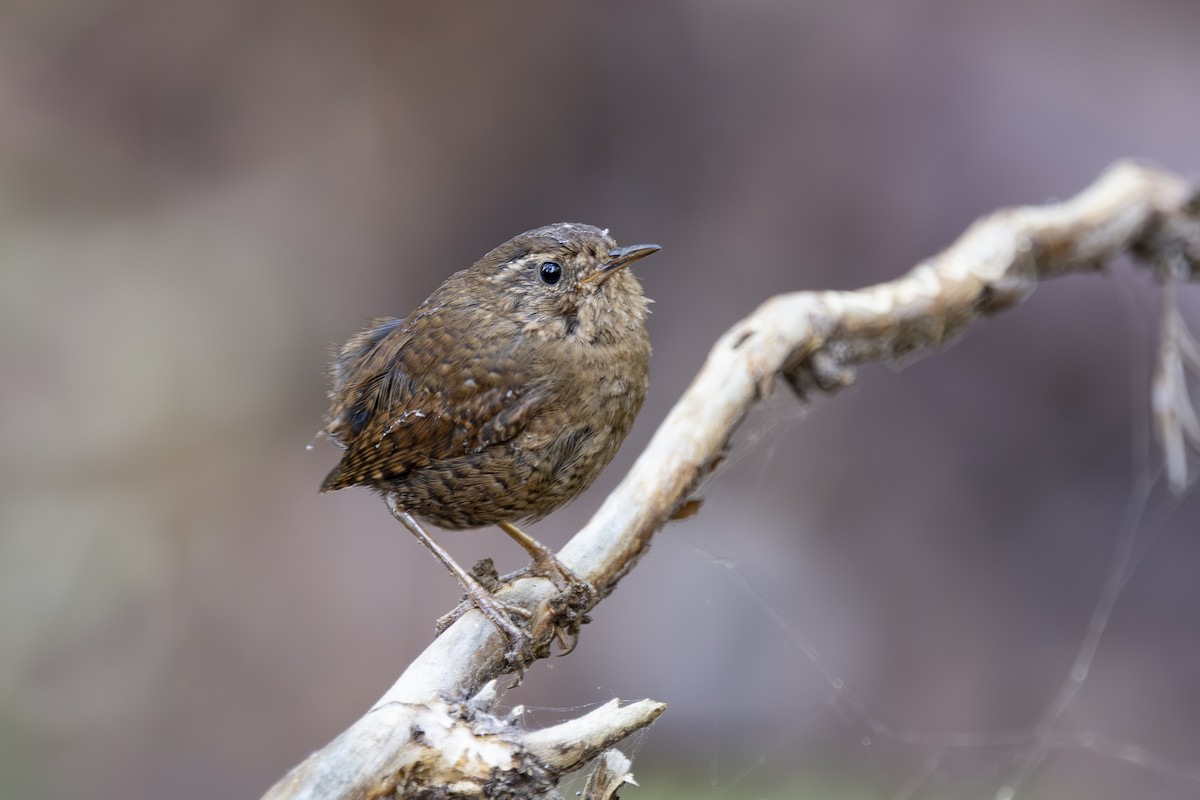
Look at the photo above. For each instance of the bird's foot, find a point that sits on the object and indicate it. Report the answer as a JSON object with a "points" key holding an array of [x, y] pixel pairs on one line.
{"points": [[545, 563], [500, 614], [504, 616], [575, 595], [570, 607]]}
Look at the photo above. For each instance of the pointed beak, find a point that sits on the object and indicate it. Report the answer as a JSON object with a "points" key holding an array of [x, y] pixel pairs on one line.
{"points": [[621, 257]]}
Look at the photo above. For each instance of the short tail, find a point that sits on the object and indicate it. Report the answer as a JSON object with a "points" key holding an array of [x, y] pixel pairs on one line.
{"points": [[335, 480]]}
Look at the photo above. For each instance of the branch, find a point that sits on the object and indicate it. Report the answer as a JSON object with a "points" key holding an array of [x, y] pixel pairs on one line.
{"points": [[811, 339]]}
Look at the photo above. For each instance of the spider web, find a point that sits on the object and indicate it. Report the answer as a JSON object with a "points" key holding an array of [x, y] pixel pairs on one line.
{"points": [[1025, 748]]}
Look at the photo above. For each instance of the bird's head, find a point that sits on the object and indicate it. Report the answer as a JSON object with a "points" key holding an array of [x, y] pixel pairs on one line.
{"points": [[565, 280]]}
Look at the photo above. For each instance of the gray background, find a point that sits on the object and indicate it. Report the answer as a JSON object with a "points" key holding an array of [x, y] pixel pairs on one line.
{"points": [[198, 198]]}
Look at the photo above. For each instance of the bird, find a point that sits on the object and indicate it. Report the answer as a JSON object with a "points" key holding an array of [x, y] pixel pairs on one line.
{"points": [[501, 397]]}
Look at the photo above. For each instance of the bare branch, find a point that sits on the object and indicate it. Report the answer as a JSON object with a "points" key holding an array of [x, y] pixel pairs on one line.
{"points": [[566, 746], [813, 340], [1175, 419]]}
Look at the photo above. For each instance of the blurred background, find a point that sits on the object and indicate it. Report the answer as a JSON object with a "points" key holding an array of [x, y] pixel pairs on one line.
{"points": [[197, 199]]}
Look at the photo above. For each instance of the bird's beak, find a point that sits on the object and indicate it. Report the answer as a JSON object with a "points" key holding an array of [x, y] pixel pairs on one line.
{"points": [[619, 258]]}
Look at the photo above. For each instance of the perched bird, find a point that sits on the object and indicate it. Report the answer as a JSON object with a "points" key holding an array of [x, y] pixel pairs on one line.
{"points": [[502, 396]]}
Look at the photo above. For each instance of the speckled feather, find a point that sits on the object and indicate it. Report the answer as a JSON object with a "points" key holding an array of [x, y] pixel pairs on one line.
{"points": [[499, 398]]}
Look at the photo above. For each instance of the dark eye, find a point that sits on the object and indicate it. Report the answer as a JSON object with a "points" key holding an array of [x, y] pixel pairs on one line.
{"points": [[550, 273]]}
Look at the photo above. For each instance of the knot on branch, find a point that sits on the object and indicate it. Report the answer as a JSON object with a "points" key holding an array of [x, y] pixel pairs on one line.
{"points": [[818, 372], [1172, 243]]}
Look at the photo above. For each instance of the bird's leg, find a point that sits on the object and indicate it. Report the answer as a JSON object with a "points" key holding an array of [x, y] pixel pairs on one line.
{"points": [[546, 565], [492, 608]]}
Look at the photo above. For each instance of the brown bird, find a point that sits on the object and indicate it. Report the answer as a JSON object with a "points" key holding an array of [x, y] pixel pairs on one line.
{"points": [[501, 397]]}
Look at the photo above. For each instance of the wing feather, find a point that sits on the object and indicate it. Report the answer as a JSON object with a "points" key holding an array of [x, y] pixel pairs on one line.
{"points": [[409, 393]]}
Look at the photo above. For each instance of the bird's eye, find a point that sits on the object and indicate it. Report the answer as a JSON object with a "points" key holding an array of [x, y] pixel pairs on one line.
{"points": [[550, 273]]}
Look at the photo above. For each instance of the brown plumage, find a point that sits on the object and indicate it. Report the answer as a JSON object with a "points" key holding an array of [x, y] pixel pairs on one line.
{"points": [[505, 393]]}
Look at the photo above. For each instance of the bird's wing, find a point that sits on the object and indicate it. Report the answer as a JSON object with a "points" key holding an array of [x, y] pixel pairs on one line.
{"points": [[364, 355], [410, 393]]}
